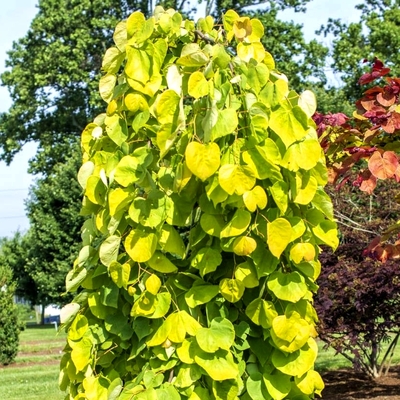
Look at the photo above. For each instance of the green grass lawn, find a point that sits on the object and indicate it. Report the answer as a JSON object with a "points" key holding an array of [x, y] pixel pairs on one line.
{"points": [[328, 359], [35, 374]]}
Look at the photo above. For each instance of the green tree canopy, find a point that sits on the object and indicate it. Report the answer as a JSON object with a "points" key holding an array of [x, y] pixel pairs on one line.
{"points": [[54, 236], [376, 34], [14, 255]]}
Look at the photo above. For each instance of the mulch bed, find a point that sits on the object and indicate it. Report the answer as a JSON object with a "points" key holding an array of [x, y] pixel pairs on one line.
{"points": [[351, 385]]}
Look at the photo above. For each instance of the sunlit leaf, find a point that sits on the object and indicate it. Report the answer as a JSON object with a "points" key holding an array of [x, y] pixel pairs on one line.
{"points": [[231, 289], [287, 286], [236, 178], [279, 235], [202, 159], [140, 245]]}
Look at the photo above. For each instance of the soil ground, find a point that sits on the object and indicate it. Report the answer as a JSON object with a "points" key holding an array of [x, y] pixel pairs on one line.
{"points": [[350, 385]]}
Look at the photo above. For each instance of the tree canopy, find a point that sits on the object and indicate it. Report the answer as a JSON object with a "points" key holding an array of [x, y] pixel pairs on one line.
{"points": [[376, 34], [53, 238]]}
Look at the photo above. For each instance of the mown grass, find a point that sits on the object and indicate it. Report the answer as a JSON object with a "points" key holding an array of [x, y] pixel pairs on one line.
{"points": [[328, 359], [34, 376], [34, 382]]}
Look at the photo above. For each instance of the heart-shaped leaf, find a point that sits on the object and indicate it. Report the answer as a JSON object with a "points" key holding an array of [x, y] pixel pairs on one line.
{"points": [[279, 235], [202, 159], [236, 178]]}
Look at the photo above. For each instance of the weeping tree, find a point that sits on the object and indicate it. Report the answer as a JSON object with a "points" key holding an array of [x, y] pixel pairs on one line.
{"points": [[204, 182]]}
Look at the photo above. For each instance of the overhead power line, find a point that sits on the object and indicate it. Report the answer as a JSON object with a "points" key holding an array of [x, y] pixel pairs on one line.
{"points": [[13, 190], [14, 216]]}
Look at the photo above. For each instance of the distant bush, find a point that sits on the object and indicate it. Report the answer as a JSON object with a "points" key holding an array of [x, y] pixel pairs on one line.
{"points": [[10, 325]]}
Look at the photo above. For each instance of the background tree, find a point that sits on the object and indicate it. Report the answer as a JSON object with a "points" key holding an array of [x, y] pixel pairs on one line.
{"points": [[14, 255], [376, 34], [41, 258], [359, 298], [358, 301], [53, 239]]}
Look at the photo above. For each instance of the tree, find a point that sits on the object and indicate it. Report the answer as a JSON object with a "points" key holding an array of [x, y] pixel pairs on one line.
{"points": [[14, 255], [54, 93], [363, 149], [197, 270], [358, 298], [10, 325], [52, 241], [375, 35], [41, 258]]}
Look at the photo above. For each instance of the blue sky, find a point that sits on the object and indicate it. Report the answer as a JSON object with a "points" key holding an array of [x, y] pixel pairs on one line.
{"points": [[15, 18]]}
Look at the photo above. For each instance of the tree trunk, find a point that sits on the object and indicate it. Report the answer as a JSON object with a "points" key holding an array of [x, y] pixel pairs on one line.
{"points": [[42, 314]]}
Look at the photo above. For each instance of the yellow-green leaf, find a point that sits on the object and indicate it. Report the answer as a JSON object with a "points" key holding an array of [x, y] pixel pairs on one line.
{"points": [[153, 284], [171, 242], [309, 383], [244, 245], [261, 312], [219, 365], [236, 178], [287, 286], [255, 198], [140, 245], [302, 251], [106, 87], [207, 260], [290, 124], [304, 154], [279, 235], [192, 56], [306, 187], [226, 124], [96, 190], [297, 363], [248, 51], [279, 191], [220, 335], [120, 273], [109, 250], [231, 289], [85, 171], [200, 294], [246, 273], [212, 224], [327, 233], [237, 225], [202, 159], [308, 102], [128, 171], [290, 334], [198, 85], [162, 264]]}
